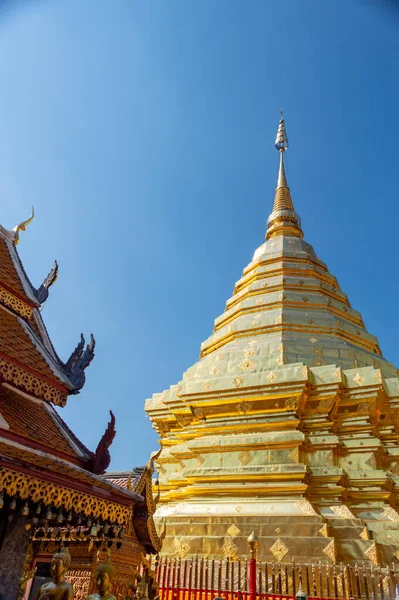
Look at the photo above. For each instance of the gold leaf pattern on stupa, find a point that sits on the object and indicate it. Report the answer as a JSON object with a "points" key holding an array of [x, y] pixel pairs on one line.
{"points": [[313, 340], [271, 377], [244, 457], [342, 511], [200, 459], [291, 403], [214, 370], [371, 554], [229, 548], [305, 507], [304, 372], [337, 373], [329, 457], [377, 376], [325, 405], [390, 513], [197, 412], [279, 550], [323, 530], [259, 301], [247, 364], [294, 455], [249, 352], [233, 530], [182, 547], [329, 551], [206, 385], [238, 380], [372, 462], [359, 379], [244, 407], [364, 534], [366, 407]]}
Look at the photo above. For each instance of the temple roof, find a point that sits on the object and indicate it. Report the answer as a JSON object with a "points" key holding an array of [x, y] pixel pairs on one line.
{"points": [[139, 480], [38, 425], [25, 345]]}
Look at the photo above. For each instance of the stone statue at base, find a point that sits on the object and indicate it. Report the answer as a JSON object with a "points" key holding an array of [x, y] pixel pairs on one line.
{"points": [[104, 576], [58, 589]]}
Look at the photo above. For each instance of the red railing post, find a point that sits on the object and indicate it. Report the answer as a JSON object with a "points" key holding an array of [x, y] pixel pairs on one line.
{"points": [[253, 544]]}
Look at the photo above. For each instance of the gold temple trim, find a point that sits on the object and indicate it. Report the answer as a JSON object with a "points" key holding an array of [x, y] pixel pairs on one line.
{"points": [[13, 483], [31, 384], [14, 303], [298, 328]]}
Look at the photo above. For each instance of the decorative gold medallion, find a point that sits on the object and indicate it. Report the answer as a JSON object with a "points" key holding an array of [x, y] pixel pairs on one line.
{"points": [[279, 550], [359, 379], [244, 457], [233, 530], [292, 403], [243, 407], [247, 364], [271, 377], [238, 380]]}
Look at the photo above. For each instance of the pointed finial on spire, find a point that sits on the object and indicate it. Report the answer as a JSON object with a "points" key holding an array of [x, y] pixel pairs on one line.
{"points": [[281, 143], [283, 218]]}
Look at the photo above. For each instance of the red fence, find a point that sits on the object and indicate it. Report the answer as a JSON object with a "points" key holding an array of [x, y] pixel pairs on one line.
{"points": [[203, 579]]}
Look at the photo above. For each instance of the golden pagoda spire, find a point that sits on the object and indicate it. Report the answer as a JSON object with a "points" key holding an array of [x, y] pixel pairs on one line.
{"points": [[283, 218]]}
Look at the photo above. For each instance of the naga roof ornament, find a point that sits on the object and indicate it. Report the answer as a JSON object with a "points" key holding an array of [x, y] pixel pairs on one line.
{"points": [[43, 291], [102, 458], [79, 360], [22, 227]]}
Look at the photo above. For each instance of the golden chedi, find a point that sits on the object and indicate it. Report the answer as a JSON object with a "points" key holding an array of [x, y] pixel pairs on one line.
{"points": [[289, 422]]}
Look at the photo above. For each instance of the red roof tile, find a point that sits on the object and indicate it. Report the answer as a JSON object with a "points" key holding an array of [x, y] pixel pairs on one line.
{"points": [[8, 274], [32, 420], [16, 343]]}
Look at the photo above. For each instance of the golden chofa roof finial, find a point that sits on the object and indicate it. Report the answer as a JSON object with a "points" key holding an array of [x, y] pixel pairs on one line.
{"points": [[283, 218], [22, 227]]}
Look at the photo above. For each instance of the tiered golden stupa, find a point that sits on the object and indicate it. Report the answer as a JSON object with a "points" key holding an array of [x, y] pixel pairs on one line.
{"points": [[289, 422]]}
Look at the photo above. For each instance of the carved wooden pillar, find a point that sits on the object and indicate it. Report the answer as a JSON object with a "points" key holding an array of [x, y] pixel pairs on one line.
{"points": [[12, 556]]}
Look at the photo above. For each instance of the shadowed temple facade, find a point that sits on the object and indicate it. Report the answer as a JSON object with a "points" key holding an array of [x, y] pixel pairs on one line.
{"points": [[288, 423]]}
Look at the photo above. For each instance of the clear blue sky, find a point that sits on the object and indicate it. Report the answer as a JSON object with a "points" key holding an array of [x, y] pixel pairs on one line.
{"points": [[143, 132]]}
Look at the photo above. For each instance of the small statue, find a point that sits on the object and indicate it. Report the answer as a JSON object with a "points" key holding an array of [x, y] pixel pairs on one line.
{"points": [[104, 576], [58, 589], [140, 593], [26, 576], [148, 585]]}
